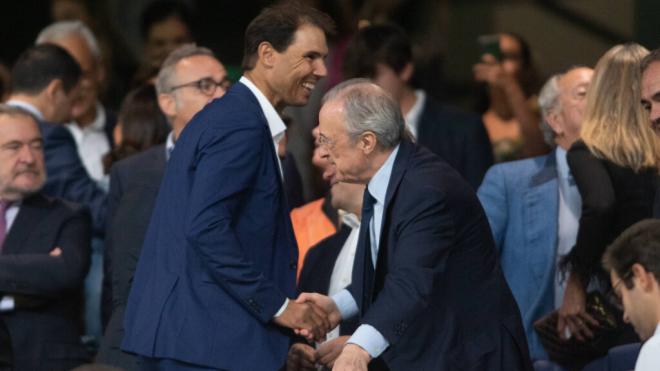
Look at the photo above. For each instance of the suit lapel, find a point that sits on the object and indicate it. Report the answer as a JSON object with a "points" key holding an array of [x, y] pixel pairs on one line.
{"points": [[541, 207], [31, 210]]}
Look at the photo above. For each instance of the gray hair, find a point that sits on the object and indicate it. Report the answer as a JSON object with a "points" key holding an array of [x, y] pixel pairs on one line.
{"points": [[62, 29], [548, 102], [9, 110], [164, 80], [367, 107]]}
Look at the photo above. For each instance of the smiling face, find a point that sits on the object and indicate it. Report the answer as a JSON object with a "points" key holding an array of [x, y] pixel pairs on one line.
{"points": [[297, 69], [22, 169]]}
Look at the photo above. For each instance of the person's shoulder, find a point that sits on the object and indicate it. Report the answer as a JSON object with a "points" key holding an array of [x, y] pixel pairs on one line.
{"points": [[649, 355], [54, 204], [515, 168], [140, 161]]}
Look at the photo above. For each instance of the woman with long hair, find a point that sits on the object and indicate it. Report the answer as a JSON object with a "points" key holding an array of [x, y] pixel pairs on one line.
{"points": [[614, 165]]}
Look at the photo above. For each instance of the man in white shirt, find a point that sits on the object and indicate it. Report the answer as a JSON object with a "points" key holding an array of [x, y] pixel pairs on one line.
{"points": [[633, 261]]}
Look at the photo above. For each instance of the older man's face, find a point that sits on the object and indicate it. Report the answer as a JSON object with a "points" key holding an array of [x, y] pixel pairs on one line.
{"points": [[349, 162], [22, 169], [572, 100], [651, 93]]}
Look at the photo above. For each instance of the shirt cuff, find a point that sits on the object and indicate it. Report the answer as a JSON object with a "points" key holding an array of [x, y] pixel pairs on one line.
{"points": [[369, 339], [7, 304], [346, 304], [282, 308]]}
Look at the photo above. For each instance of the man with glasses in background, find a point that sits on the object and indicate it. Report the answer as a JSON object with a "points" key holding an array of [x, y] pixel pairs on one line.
{"points": [[190, 78], [633, 261]]}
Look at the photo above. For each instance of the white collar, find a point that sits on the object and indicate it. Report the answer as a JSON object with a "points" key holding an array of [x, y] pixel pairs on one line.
{"points": [[562, 164], [415, 112], [28, 107], [379, 182], [275, 123]]}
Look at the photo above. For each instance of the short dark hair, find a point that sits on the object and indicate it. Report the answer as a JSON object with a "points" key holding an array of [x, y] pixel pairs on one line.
{"points": [[384, 43], [159, 11], [39, 65], [277, 25], [640, 244], [653, 56]]}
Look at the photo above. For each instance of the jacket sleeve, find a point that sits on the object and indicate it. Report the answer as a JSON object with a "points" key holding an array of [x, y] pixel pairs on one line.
{"points": [[598, 203], [42, 275], [68, 179], [226, 168]]}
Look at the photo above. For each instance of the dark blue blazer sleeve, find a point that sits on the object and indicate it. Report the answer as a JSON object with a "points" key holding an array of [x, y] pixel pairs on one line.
{"points": [[67, 177]]}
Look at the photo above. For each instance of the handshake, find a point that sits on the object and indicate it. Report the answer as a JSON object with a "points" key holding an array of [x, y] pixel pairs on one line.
{"points": [[311, 316]]}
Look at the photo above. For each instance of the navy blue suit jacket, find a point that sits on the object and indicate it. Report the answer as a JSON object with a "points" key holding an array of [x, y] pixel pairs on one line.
{"points": [[442, 303], [219, 257], [458, 137], [67, 177]]}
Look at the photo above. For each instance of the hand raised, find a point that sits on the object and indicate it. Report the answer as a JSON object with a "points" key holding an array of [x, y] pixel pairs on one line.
{"points": [[306, 318]]}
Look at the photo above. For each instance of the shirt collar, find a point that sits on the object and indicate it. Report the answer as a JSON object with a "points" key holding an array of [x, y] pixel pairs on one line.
{"points": [[378, 183], [412, 117], [562, 164], [28, 107], [275, 123], [169, 144]]}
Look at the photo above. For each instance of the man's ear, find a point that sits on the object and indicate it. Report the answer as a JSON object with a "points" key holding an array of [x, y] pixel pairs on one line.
{"points": [[266, 54], [167, 104], [554, 120], [407, 72], [367, 142], [643, 278], [53, 88]]}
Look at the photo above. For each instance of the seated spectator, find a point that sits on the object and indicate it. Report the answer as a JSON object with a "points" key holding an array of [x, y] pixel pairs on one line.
{"points": [[549, 194], [511, 117], [140, 125], [633, 262], [44, 254], [384, 54], [615, 167]]}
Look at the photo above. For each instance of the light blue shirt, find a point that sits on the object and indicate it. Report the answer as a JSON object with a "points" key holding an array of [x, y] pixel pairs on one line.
{"points": [[366, 336]]}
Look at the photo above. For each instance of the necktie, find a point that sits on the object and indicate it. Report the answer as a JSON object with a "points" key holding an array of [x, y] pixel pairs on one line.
{"points": [[4, 205], [364, 239]]}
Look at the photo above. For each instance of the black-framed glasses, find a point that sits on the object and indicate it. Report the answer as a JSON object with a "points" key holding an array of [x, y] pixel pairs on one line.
{"points": [[206, 85], [612, 295]]}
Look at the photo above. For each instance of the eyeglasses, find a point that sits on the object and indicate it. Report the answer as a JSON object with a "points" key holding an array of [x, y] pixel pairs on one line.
{"points": [[206, 85], [612, 295]]}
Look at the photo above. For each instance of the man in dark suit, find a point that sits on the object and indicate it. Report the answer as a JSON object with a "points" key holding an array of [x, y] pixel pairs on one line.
{"points": [[134, 182], [218, 263], [384, 54], [45, 83], [44, 254], [427, 284]]}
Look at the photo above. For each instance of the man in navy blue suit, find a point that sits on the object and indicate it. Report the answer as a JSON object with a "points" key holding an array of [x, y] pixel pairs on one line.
{"points": [[427, 285], [218, 264]]}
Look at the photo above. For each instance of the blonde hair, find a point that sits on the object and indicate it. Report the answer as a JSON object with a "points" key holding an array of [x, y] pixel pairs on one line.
{"points": [[615, 126]]}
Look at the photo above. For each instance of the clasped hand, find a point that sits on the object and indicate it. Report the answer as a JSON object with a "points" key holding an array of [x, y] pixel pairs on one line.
{"points": [[311, 316]]}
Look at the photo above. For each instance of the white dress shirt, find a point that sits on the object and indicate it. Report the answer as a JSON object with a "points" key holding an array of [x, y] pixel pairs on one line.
{"points": [[92, 143], [413, 116], [570, 209], [366, 336], [649, 355], [277, 130], [28, 107]]}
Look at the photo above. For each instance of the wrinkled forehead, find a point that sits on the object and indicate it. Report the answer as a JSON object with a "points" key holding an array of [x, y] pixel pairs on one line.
{"points": [[20, 127]]}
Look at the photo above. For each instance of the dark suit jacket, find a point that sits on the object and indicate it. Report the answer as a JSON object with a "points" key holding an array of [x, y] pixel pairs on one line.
{"points": [[45, 325], [67, 177], [459, 138], [317, 270], [134, 184], [6, 351], [219, 257], [441, 301]]}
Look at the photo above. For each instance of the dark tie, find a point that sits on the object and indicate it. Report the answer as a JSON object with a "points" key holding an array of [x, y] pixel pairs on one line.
{"points": [[4, 205], [364, 239]]}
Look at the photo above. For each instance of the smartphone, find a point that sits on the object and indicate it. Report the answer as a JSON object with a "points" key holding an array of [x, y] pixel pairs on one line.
{"points": [[490, 44]]}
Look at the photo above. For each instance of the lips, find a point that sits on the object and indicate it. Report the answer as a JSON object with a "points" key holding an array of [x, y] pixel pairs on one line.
{"points": [[308, 85]]}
